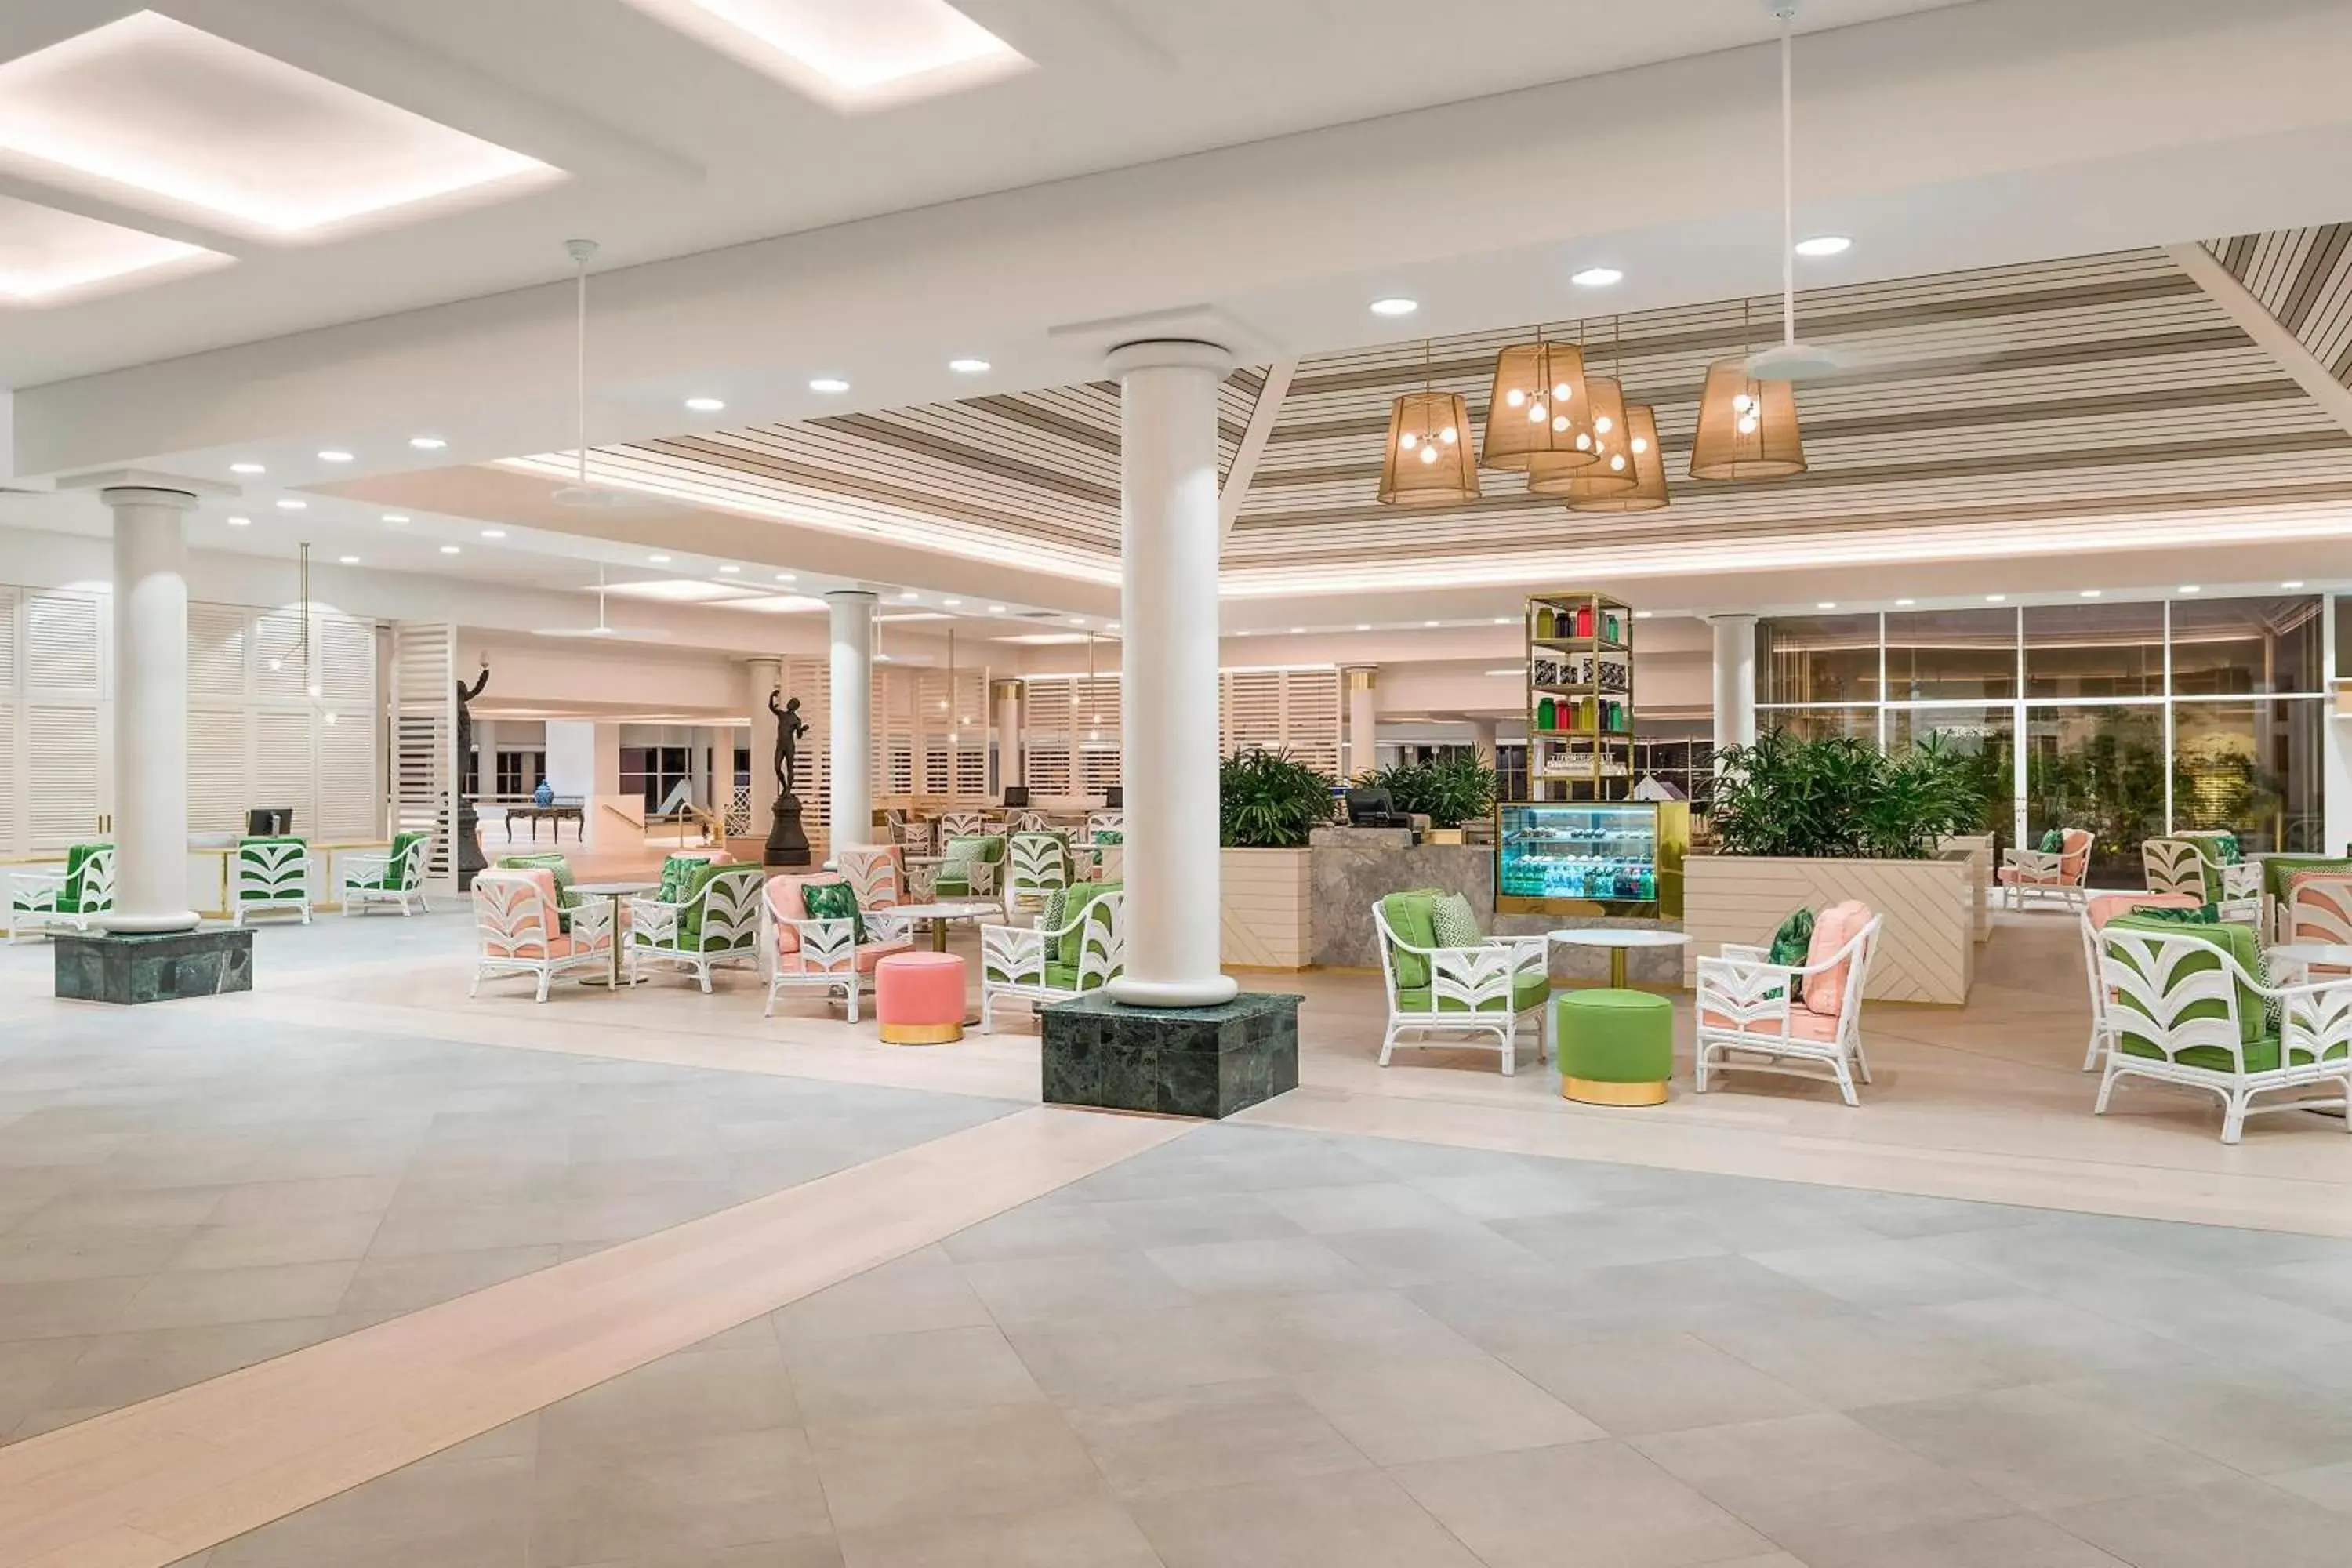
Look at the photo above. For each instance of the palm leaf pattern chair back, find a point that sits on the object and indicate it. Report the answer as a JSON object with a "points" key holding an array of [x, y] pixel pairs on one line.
{"points": [[1102, 941], [97, 892], [875, 873], [511, 915], [271, 874], [2319, 909], [1040, 865], [958, 824], [731, 909], [2173, 866]]}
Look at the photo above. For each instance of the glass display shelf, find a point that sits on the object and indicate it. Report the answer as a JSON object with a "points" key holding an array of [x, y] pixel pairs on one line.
{"points": [[1622, 858]]}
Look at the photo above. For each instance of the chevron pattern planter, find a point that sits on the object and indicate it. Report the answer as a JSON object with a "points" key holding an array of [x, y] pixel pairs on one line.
{"points": [[1267, 908], [1926, 950]]}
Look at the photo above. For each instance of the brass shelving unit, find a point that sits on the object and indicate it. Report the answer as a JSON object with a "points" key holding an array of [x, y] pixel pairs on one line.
{"points": [[1580, 662]]}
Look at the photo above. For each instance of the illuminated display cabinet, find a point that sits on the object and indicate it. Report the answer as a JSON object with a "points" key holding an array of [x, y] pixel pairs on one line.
{"points": [[1575, 857]]}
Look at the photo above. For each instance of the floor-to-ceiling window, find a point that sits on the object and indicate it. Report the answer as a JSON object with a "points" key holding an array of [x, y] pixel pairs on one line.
{"points": [[2128, 718]]}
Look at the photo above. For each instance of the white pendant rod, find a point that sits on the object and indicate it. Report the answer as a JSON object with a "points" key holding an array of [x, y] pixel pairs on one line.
{"points": [[1788, 180]]}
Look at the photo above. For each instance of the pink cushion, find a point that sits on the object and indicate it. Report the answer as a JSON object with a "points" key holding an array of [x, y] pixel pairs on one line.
{"points": [[1837, 925], [918, 987], [784, 904], [1802, 1024], [869, 957], [2104, 907], [2073, 853]]}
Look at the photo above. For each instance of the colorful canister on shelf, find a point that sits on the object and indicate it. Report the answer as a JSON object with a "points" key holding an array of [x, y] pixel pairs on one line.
{"points": [[1546, 714], [1547, 623]]}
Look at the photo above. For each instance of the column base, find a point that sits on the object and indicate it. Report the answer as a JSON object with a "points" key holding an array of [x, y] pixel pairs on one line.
{"points": [[1214, 992], [788, 842], [127, 967], [1206, 1062]]}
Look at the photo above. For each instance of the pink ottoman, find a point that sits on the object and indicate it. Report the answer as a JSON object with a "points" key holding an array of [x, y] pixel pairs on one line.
{"points": [[918, 998]]}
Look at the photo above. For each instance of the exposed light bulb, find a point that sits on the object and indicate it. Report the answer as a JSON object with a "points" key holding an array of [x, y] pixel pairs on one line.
{"points": [[1640, 445], [1515, 397], [1603, 424], [1746, 425], [1450, 436], [1559, 422], [1617, 462], [1429, 454], [1584, 440], [1537, 412], [1562, 392], [1407, 440], [1741, 403]]}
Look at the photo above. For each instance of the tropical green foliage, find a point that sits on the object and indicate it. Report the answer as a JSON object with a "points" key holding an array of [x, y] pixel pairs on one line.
{"points": [[1270, 800], [1836, 797], [1457, 788]]}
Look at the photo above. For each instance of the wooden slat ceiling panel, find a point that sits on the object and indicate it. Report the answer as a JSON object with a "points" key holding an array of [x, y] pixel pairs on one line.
{"points": [[2086, 387]]}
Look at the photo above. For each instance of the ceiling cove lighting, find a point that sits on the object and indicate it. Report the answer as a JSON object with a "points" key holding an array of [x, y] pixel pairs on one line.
{"points": [[240, 523], [247, 468], [334, 455], [2089, 593], [48, 255], [2190, 588], [831, 385], [427, 443], [155, 106], [1427, 460], [1824, 245], [1996, 598], [1395, 305], [292, 505], [1826, 604], [969, 366], [855, 58], [706, 404], [1905, 604], [2292, 582], [1596, 277]]}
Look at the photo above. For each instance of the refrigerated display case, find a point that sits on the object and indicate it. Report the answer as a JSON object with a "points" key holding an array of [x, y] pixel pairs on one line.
{"points": [[1562, 858]]}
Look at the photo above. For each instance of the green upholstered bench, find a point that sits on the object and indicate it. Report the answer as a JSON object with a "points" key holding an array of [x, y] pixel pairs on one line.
{"points": [[1616, 1047]]}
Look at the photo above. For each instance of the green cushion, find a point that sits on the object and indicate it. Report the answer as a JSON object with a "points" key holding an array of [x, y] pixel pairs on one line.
{"points": [[77, 858], [2053, 841], [989, 846], [566, 897], [1614, 1036], [1076, 899], [1056, 910], [2240, 942], [1410, 914], [1111, 835], [690, 925], [1526, 993], [1064, 977], [1456, 926], [2202, 915], [2277, 868], [1791, 943], [834, 901]]}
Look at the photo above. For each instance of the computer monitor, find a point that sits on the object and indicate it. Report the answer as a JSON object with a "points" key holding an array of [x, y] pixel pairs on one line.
{"points": [[1017, 797], [1373, 808], [1113, 798], [268, 821]]}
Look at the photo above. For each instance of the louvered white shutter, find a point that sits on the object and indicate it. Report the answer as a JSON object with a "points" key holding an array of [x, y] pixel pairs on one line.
{"points": [[425, 738]]}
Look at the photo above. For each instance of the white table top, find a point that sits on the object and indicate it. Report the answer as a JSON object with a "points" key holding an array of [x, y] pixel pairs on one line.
{"points": [[959, 910], [1619, 936], [613, 889], [2334, 954]]}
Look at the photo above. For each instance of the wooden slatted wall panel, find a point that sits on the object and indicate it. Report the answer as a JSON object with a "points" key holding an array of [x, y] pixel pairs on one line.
{"points": [[61, 768], [60, 718], [425, 736], [12, 782]]}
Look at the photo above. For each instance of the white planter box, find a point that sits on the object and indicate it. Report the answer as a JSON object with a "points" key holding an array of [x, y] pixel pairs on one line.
{"points": [[1927, 947], [1267, 907]]}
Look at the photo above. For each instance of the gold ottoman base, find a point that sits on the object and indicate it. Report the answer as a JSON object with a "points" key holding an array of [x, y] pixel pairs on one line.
{"points": [[920, 1034], [1594, 1091]]}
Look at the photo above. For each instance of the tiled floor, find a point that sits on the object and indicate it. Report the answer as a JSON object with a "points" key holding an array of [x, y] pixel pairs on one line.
{"points": [[1253, 1346]]}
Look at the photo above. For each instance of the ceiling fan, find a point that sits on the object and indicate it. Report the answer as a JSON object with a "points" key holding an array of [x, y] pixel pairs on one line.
{"points": [[602, 629], [1791, 359], [580, 494]]}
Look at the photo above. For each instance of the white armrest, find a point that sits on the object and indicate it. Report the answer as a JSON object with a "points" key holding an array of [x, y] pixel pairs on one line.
{"points": [[1738, 952], [2035, 862]]}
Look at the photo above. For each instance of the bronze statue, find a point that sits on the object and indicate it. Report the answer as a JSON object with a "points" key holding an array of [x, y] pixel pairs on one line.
{"points": [[790, 728], [465, 717]]}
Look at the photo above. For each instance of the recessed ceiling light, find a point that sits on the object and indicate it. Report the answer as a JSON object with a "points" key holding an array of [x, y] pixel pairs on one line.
{"points": [[731, 571], [908, 596], [658, 560], [1429, 623], [494, 533], [292, 505], [1077, 620], [347, 560], [427, 443], [247, 468], [1241, 634], [851, 57], [2088, 594], [2190, 588], [334, 455], [448, 550], [1296, 630], [397, 519], [1597, 277], [995, 609], [706, 404], [1363, 625], [828, 384], [1824, 245], [240, 523], [1642, 615], [1825, 604], [950, 604], [1996, 598], [1506, 620], [1902, 603], [2292, 582], [1395, 305], [786, 577], [968, 366], [1110, 625]]}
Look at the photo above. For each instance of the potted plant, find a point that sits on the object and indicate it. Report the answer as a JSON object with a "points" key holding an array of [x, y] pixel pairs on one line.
{"points": [[1809, 823], [1268, 802]]}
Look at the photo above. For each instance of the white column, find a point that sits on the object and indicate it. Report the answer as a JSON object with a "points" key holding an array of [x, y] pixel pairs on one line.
{"points": [[1168, 608], [1008, 736], [1734, 679], [1482, 735], [1363, 721], [150, 710], [698, 765], [850, 750]]}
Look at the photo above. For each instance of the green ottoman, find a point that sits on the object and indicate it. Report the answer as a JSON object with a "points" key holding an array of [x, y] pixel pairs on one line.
{"points": [[1616, 1047]]}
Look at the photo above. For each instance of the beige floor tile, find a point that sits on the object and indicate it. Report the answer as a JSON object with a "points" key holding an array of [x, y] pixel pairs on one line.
{"points": [[922, 1470], [1360, 1518], [2241, 1521], [1846, 1362], [2039, 1450], [119, 1369], [921, 1290], [2017, 1541], [253, 1244], [593, 1504], [1083, 1535], [30, 1257], [873, 1377], [256, 1203], [471, 1515], [383, 1288], [191, 1298], [1582, 1506], [695, 1395], [1659, 1383], [1092, 1360], [63, 1308], [1399, 1414], [1218, 1434]]}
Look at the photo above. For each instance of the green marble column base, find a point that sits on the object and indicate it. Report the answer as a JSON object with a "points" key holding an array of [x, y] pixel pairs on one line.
{"points": [[169, 967], [1204, 1062]]}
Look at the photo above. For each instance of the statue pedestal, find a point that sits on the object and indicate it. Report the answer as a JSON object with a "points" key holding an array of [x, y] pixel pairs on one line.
{"points": [[469, 846], [787, 843]]}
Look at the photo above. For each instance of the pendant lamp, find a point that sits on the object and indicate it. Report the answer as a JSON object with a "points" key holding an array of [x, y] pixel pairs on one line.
{"points": [[1540, 412], [1648, 490], [1746, 428], [1428, 461], [1610, 469], [1790, 360]]}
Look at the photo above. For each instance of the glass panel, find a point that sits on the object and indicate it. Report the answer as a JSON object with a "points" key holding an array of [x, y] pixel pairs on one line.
{"points": [[1607, 854], [1986, 737], [2095, 650], [1818, 658], [2100, 768], [1818, 723], [2253, 768], [2229, 647], [1951, 654]]}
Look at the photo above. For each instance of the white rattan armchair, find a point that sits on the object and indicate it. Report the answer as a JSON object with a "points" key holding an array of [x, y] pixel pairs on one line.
{"points": [[718, 926], [1025, 963], [518, 929], [1482, 993], [1750, 1019]]}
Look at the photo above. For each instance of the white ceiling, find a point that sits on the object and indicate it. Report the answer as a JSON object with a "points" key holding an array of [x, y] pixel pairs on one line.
{"points": [[672, 147]]}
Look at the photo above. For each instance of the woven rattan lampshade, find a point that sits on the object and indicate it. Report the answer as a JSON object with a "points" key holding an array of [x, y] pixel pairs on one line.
{"points": [[1610, 468], [1428, 461], [1540, 410], [1746, 429], [1648, 490]]}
